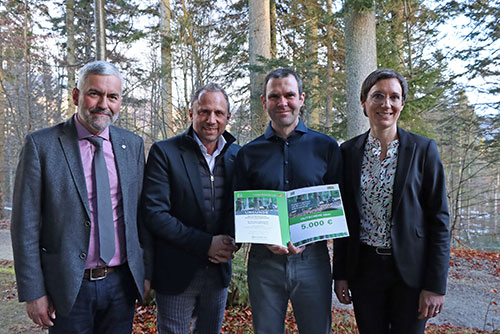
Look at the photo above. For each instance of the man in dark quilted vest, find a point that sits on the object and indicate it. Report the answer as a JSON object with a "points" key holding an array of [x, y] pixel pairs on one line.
{"points": [[187, 207]]}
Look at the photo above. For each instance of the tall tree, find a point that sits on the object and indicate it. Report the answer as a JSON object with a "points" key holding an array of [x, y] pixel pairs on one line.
{"points": [[166, 70], [361, 58], [312, 13], [70, 53], [259, 44], [480, 52], [272, 20], [100, 29], [329, 68], [406, 32], [27, 62]]}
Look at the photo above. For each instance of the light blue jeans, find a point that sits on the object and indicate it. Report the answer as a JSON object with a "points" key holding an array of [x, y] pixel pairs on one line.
{"points": [[304, 279]]}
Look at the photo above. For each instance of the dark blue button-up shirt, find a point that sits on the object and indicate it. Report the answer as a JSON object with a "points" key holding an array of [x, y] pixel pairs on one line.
{"points": [[306, 158]]}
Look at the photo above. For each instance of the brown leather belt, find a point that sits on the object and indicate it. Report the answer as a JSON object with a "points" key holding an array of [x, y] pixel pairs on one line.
{"points": [[98, 273]]}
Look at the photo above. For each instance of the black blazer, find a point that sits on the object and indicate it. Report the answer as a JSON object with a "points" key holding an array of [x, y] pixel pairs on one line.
{"points": [[420, 220], [174, 211]]}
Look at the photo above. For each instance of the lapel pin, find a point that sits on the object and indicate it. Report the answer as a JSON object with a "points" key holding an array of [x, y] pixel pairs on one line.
{"points": [[124, 146]]}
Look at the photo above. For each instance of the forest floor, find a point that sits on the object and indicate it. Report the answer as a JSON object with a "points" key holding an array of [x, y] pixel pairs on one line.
{"points": [[471, 306]]}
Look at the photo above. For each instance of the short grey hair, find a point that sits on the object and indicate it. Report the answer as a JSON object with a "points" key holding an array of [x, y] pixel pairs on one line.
{"points": [[209, 87], [99, 67]]}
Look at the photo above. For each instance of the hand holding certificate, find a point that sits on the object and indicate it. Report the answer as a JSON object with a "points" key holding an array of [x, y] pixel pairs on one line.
{"points": [[301, 216]]}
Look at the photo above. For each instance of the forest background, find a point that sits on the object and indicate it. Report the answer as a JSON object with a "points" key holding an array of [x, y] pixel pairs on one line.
{"points": [[449, 51]]}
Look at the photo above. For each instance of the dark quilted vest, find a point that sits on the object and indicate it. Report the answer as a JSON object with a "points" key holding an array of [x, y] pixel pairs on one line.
{"points": [[213, 193]]}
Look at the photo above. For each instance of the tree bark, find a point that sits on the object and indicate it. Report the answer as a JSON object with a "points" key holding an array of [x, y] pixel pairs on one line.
{"points": [[259, 46], [100, 29], [27, 65], [312, 79], [361, 60], [70, 53], [166, 70], [274, 50], [329, 69]]}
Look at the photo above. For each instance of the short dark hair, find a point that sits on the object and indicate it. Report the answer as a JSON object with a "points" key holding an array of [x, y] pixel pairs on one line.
{"points": [[209, 87], [281, 73], [381, 74]]}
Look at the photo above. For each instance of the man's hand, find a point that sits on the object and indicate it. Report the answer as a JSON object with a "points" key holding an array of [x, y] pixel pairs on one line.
{"points": [[277, 249], [281, 250], [430, 304], [222, 248], [295, 250], [341, 288], [41, 311]]}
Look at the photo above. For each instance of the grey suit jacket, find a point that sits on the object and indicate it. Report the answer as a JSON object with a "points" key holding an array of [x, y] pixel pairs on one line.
{"points": [[51, 219], [420, 219]]}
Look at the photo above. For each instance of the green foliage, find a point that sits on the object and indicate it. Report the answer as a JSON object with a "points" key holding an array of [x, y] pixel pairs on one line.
{"points": [[238, 290], [404, 34], [481, 32], [209, 42], [7, 271], [361, 6]]}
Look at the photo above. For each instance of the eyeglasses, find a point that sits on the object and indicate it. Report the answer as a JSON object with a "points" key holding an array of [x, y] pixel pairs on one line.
{"points": [[395, 100]]}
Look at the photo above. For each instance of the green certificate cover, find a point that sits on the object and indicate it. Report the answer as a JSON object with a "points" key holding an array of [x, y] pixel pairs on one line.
{"points": [[302, 216]]}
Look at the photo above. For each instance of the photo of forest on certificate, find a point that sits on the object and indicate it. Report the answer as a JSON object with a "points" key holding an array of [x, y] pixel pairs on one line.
{"points": [[301, 216]]}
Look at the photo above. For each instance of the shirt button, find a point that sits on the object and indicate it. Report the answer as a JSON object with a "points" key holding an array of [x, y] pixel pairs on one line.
{"points": [[286, 143], [83, 256], [286, 162], [87, 223], [287, 182]]}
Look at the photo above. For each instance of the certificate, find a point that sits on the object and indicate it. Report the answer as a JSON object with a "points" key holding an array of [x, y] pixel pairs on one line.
{"points": [[302, 216]]}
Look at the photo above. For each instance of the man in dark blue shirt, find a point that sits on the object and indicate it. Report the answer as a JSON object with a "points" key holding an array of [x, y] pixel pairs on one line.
{"points": [[288, 156]]}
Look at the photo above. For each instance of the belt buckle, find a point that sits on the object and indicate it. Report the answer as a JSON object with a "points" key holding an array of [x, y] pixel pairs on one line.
{"points": [[92, 278], [383, 251]]}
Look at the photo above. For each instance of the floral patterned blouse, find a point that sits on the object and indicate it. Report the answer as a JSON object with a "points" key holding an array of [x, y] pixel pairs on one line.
{"points": [[377, 180]]}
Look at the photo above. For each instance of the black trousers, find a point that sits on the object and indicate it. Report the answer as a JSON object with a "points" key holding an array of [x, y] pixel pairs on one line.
{"points": [[383, 303]]}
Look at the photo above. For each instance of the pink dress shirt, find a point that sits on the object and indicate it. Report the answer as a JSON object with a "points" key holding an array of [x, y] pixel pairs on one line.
{"points": [[87, 155]]}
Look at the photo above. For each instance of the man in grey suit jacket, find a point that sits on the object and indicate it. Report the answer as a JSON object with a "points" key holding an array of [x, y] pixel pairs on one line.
{"points": [[60, 269]]}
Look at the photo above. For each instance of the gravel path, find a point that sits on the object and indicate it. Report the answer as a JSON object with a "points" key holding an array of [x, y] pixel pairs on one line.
{"points": [[5, 245], [469, 299]]}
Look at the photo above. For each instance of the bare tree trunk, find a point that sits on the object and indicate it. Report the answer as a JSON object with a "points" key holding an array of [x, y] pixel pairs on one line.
{"points": [[408, 37], [329, 70], [70, 53], [188, 26], [166, 70], [100, 29], [259, 43], [27, 66], [312, 82], [274, 50], [361, 60], [399, 14], [496, 200]]}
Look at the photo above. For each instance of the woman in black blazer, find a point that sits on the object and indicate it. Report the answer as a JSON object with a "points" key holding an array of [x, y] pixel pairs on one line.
{"points": [[394, 265]]}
